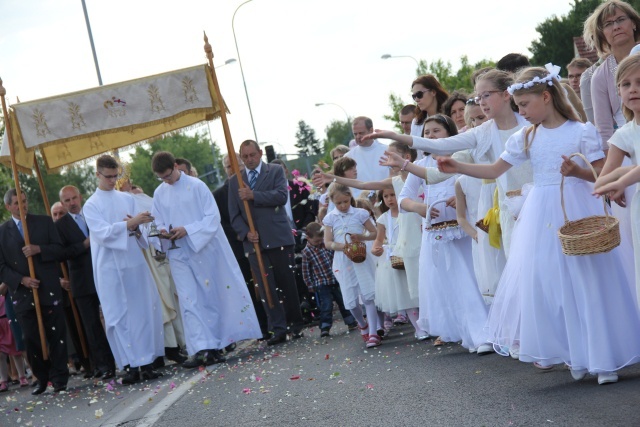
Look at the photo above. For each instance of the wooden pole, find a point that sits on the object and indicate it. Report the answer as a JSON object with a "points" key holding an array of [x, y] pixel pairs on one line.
{"points": [[234, 164], [23, 214], [63, 266]]}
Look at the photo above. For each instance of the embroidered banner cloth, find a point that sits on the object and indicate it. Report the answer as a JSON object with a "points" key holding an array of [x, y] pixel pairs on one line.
{"points": [[76, 126]]}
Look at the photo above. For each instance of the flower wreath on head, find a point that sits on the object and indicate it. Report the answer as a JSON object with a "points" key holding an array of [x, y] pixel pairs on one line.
{"points": [[554, 74]]}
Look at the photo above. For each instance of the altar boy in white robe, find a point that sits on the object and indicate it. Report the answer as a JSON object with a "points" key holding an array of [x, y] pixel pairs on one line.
{"points": [[129, 297], [216, 306]]}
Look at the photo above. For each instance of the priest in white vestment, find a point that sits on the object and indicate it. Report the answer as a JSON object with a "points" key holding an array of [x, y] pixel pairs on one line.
{"points": [[129, 297], [161, 273], [216, 306]]}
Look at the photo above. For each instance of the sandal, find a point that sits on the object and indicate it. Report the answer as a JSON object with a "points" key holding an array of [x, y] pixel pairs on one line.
{"points": [[542, 367], [365, 335], [374, 341], [24, 382], [438, 342], [4, 386]]}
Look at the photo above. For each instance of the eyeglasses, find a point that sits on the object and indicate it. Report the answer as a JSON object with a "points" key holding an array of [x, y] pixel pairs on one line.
{"points": [[471, 101], [166, 177], [607, 25], [485, 95], [109, 176], [419, 94]]}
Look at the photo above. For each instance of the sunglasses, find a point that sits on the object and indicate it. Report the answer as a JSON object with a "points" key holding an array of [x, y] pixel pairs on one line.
{"points": [[419, 94]]}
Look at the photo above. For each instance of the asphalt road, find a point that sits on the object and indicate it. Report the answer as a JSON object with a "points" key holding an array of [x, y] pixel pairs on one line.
{"points": [[337, 382]]}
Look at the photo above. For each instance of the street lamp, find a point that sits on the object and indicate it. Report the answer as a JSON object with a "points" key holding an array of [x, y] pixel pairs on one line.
{"points": [[255, 134], [387, 56], [319, 104], [227, 62]]}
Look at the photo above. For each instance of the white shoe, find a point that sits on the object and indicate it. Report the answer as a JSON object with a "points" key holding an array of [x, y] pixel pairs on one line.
{"points": [[607, 378], [514, 352], [484, 349], [472, 350], [422, 336], [578, 374]]}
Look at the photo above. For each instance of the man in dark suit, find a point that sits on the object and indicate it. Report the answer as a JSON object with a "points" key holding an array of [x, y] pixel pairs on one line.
{"points": [[74, 235], [266, 192], [221, 195], [46, 250]]}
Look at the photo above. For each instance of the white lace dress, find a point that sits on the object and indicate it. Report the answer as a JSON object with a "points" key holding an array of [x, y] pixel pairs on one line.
{"points": [[450, 303], [355, 279], [392, 289], [577, 310]]}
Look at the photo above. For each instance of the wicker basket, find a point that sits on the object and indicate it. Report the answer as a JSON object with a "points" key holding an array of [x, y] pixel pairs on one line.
{"points": [[591, 235], [481, 225], [355, 251], [397, 262]]}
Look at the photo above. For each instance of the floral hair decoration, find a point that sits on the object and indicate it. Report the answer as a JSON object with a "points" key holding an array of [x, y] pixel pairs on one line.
{"points": [[554, 74]]}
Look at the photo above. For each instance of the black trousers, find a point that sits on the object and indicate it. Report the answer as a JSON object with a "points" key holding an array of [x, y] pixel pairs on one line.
{"points": [[285, 315], [55, 368], [100, 352]]}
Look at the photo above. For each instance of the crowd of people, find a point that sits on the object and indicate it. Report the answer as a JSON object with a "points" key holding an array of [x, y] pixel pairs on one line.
{"points": [[452, 227]]}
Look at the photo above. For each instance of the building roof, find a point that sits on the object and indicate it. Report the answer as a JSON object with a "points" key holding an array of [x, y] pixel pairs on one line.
{"points": [[582, 51]]}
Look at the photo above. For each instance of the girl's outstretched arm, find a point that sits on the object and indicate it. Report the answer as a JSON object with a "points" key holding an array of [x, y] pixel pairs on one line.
{"points": [[394, 160], [616, 188], [492, 171], [322, 178]]}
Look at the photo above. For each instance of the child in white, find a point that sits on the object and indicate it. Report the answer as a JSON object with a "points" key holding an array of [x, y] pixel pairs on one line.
{"points": [[450, 303], [356, 279], [392, 288], [625, 143], [577, 310]]}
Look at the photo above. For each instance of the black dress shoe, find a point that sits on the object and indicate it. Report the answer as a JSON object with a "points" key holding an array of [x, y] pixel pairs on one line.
{"points": [[195, 361], [277, 339], [57, 388], [230, 347], [214, 356], [147, 372], [131, 377], [41, 388], [173, 354], [158, 362], [95, 374], [35, 383]]}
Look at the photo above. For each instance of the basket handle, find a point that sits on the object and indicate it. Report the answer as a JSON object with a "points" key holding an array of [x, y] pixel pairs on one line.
{"points": [[346, 242], [595, 175], [431, 208]]}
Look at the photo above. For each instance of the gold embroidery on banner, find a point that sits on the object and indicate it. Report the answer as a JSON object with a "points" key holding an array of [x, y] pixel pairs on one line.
{"points": [[190, 94], [95, 143], [77, 121], [42, 129], [63, 152], [116, 107], [154, 97]]}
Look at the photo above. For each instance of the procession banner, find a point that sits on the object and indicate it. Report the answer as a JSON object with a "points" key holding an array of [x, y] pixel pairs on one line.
{"points": [[24, 158], [77, 126]]}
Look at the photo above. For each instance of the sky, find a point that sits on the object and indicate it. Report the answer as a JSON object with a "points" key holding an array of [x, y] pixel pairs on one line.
{"points": [[294, 53]]}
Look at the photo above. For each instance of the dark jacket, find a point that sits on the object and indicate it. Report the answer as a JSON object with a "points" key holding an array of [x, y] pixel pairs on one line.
{"points": [[77, 256]]}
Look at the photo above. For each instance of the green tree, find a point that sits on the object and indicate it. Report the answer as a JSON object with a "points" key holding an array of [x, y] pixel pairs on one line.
{"points": [[196, 149], [338, 133], [459, 81], [555, 40], [306, 141]]}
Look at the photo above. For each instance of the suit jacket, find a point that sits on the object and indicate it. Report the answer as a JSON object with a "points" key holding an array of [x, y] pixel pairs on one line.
{"points": [[14, 265], [267, 208], [221, 195], [303, 213], [77, 256]]}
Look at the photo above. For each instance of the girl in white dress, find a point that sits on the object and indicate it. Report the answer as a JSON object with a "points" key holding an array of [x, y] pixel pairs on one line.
{"points": [[357, 280], [450, 303], [625, 143], [409, 223], [392, 289], [577, 310]]}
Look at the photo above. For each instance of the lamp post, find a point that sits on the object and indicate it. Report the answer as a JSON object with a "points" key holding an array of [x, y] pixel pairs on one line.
{"points": [[227, 62], [255, 134], [387, 56], [93, 48]]}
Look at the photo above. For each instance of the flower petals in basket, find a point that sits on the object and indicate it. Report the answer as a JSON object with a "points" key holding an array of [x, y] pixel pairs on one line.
{"points": [[396, 262], [355, 251], [444, 231], [588, 236]]}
